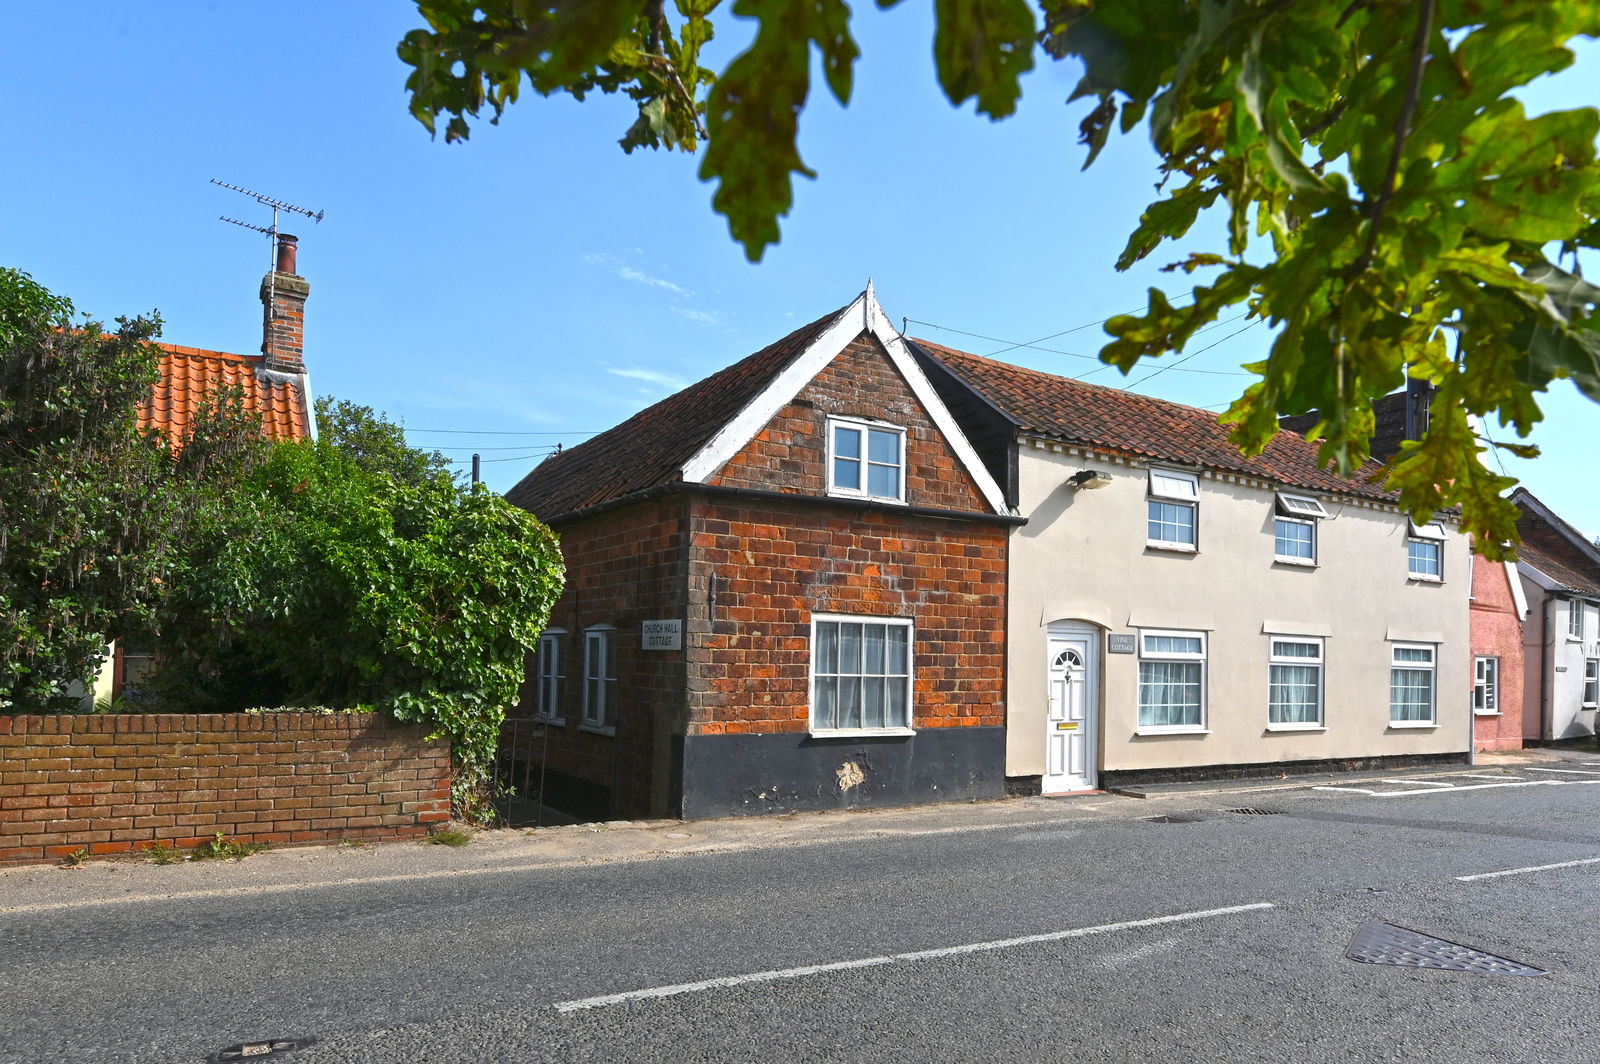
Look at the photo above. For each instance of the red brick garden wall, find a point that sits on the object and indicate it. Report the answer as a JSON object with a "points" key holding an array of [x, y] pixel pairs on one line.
{"points": [[116, 784]]}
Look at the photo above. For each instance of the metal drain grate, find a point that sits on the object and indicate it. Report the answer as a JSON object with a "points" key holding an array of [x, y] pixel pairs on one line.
{"points": [[1376, 942], [259, 1050], [1171, 818], [1253, 811]]}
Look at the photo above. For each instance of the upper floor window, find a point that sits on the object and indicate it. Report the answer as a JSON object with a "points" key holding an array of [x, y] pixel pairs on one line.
{"points": [[1172, 681], [1574, 618], [552, 676], [600, 678], [1171, 510], [866, 458], [860, 673], [1294, 529], [1425, 551]]}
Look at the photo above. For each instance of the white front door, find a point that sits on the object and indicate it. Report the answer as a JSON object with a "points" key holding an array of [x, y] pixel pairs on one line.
{"points": [[1070, 743]]}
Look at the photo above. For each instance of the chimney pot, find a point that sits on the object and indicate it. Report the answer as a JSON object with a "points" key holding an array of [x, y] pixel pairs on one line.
{"points": [[287, 247]]}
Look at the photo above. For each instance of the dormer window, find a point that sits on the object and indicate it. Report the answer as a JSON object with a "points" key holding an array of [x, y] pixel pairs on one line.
{"points": [[866, 459], [1171, 510], [1294, 529]]}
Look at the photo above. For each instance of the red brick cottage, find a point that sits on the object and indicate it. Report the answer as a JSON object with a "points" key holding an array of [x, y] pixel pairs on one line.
{"points": [[785, 590]]}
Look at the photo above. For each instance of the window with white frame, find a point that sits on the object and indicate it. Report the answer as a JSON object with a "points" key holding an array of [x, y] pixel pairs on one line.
{"points": [[1411, 686], [552, 674], [600, 678], [1172, 681], [1294, 683], [1574, 619], [860, 673], [1294, 529], [1425, 551], [1171, 510], [866, 458], [1486, 686], [1591, 682]]}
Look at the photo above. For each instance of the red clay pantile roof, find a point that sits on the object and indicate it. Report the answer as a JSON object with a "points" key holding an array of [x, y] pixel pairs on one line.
{"points": [[1044, 405], [189, 374], [649, 449]]}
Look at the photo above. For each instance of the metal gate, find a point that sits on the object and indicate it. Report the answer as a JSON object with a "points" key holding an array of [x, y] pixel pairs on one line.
{"points": [[519, 772]]}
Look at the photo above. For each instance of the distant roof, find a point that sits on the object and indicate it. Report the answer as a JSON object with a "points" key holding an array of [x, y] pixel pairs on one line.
{"points": [[1042, 404], [190, 374], [1554, 547], [649, 449]]}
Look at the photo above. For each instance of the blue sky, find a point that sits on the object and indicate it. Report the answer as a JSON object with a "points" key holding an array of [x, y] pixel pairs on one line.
{"points": [[536, 284]]}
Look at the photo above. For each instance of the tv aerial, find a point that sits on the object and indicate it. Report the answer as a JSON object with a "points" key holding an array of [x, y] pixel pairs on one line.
{"points": [[270, 231]]}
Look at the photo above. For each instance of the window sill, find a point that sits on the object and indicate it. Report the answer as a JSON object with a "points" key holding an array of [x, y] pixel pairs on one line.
{"points": [[597, 730], [1417, 578], [861, 496], [1172, 731], [557, 721], [1296, 727], [1409, 725], [858, 733], [1175, 548], [1486, 713], [1298, 563]]}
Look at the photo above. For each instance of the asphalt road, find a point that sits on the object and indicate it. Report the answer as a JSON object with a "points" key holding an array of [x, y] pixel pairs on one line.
{"points": [[1218, 936]]}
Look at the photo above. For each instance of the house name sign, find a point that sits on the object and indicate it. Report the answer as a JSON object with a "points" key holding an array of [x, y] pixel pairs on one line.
{"points": [[1122, 643], [661, 635]]}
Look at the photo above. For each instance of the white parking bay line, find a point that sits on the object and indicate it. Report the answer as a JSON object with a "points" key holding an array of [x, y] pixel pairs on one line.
{"points": [[896, 958], [1530, 868], [1572, 771], [1502, 777]]}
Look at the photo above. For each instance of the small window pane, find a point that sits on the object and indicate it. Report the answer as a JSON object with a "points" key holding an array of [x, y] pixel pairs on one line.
{"points": [[1172, 644], [1284, 648], [883, 446], [872, 649], [846, 474], [826, 711], [850, 648], [1413, 654], [850, 702], [827, 647], [847, 442], [894, 713], [883, 481], [897, 648], [872, 702]]}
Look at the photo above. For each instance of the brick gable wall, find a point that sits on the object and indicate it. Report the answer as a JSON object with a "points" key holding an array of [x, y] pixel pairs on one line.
{"points": [[116, 784], [1497, 632], [624, 566], [790, 453], [762, 569]]}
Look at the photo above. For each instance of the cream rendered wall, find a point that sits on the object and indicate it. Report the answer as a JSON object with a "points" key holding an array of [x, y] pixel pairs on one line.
{"points": [[1082, 556]]}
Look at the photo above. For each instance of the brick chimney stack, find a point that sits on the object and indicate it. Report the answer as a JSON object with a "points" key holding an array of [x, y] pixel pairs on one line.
{"points": [[283, 301]]}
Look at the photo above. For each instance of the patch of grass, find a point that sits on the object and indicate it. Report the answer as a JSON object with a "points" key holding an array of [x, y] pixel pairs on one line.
{"points": [[160, 853], [449, 836], [223, 848], [77, 858]]}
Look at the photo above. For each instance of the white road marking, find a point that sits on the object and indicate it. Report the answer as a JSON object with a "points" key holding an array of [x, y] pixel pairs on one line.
{"points": [[1573, 771], [1425, 783], [1457, 790], [1503, 778], [868, 962], [1530, 868]]}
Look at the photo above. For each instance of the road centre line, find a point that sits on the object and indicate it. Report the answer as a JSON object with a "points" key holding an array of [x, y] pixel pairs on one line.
{"points": [[675, 989], [1530, 868]]}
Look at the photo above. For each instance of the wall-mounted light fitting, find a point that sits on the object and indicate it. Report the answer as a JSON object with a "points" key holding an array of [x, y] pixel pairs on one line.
{"points": [[1089, 478]]}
